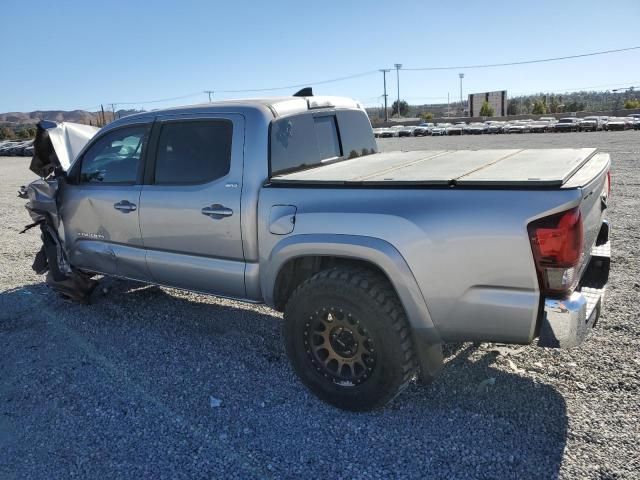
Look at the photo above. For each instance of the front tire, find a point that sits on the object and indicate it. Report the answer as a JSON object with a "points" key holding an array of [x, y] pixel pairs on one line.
{"points": [[348, 338]]}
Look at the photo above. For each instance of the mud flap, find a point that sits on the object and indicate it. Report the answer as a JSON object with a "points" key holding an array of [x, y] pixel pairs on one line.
{"points": [[430, 357]]}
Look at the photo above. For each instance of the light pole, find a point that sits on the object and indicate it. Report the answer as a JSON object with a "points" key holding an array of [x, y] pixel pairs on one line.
{"points": [[617, 96], [461, 75], [384, 80], [398, 67]]}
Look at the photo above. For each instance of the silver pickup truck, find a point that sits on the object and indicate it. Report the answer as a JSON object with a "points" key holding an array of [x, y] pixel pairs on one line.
{"points": [[376, 259]]}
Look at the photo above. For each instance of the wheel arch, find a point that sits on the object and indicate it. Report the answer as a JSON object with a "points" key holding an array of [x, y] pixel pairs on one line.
{"points": [[296, 258]]}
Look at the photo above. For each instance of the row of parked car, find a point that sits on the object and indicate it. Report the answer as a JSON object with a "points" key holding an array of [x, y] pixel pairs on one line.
{"points": [[12, 148], [542, 125]]}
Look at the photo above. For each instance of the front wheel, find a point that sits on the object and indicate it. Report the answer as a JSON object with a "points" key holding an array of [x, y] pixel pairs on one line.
{"points": [[348, 338]]}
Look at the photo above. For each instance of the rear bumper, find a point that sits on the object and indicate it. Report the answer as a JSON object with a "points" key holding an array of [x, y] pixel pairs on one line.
{"points": [[567, 321]]}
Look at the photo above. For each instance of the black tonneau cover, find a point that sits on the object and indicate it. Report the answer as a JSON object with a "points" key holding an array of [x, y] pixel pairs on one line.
{"points": [[509, 168]]}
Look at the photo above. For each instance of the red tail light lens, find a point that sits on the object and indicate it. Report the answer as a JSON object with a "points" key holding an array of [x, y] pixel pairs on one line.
{"points": [[557, 244], [557, 240], [608, 183]]}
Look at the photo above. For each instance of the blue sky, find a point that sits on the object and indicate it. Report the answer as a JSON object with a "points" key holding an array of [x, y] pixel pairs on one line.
{"points": [[78, 54]]}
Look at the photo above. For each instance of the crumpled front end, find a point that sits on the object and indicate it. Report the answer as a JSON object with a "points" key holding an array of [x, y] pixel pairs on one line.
{"points": [[57, 145], [55, 148]]}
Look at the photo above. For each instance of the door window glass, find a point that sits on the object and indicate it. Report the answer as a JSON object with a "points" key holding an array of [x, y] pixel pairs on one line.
{"points": [[115, 158], [192, 152]]}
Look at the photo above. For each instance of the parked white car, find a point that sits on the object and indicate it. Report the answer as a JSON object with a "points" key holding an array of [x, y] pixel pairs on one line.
{"points": [[440, 129]]}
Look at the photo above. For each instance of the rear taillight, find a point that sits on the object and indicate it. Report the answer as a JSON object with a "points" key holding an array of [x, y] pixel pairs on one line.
{"points": [[608, 183], [557, 243]]}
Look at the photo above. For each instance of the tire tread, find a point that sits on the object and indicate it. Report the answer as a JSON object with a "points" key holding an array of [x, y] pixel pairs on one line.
{"points": [[381, 292]]}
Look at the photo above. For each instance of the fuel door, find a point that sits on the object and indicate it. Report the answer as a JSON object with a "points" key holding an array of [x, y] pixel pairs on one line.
{"points": [[282, 219]]}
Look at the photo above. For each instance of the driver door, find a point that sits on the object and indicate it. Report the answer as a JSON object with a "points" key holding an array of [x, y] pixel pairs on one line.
{"points": [[99, 205]]}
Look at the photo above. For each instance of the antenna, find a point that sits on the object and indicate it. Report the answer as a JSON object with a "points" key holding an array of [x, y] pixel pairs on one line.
{"points": [[305, 92]]}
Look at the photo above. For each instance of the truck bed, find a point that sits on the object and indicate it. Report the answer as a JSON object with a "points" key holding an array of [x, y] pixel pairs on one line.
{"points": [[507, 168]]}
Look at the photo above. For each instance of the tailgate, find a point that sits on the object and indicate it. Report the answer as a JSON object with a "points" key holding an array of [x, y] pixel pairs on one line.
{"points": [[593, 180], [566, 320]]}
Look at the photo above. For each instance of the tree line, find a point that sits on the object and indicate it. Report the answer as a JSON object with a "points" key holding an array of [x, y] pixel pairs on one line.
{"points": [[17, 132], [536, 104]]}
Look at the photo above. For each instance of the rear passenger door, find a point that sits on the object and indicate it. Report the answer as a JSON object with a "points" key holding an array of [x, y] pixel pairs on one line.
{"points": [[190, 203]]}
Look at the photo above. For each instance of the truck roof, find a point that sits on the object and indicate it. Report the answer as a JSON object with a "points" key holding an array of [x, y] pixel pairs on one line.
{"points": [[272, 106], [507, 168]]}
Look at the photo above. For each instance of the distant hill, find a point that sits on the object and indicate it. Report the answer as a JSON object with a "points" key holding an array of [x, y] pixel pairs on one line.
{"points": [[74, 116]]}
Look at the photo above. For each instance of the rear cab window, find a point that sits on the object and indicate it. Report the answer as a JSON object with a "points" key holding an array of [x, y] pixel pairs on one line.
{"points": [[327, 137], [311, 139]]}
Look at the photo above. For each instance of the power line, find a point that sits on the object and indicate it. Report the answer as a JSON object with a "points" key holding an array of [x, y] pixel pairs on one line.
{"points": [[300, 85], [286, 87], [181, 97], [373, 72], [525, 62], [90, 109]]}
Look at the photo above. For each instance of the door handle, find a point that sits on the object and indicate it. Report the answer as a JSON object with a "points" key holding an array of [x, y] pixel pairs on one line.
{"points": [[125, 206], [217, 211]]}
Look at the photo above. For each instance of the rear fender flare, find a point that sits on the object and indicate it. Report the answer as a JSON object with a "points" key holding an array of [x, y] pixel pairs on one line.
{"points": [[373, 250]]}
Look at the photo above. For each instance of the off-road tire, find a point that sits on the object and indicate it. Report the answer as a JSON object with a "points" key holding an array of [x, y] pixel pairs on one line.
{"points": [[368, 297]]}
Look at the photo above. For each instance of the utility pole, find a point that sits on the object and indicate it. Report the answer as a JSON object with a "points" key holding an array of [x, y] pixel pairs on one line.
{"points": [[209, 92], [448, 108], [398, 67], [104, 122], [113, 110], [384, 80], [461, 75]]}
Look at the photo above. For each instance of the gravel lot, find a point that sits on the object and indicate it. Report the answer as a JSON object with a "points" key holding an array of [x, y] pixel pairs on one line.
{"points": [[124, 388]]}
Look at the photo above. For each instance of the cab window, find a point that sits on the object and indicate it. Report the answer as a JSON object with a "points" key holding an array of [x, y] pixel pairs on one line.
{"points": [[309, 139], [115, 157], [193, 152]]}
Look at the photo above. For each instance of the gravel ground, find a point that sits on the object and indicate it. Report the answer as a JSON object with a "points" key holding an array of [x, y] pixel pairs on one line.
{"points": [[127, 387]]}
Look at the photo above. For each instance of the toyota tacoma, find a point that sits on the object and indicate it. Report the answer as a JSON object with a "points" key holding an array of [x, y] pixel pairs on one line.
{"points": [[377, 259]]}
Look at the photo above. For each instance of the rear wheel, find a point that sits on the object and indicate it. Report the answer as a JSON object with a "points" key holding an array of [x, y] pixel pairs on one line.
{"points": [[348, 338]]}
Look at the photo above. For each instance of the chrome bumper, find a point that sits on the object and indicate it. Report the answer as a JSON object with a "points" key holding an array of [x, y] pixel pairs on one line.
{"points": [[567, 321]]}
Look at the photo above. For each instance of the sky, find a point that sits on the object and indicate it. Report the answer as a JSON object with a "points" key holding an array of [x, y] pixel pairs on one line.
{"points": [[68, 55]]}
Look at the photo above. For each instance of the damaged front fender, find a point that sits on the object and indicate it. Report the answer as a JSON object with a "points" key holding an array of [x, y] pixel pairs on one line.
{"points": [[56, 147], [43, 209]]}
